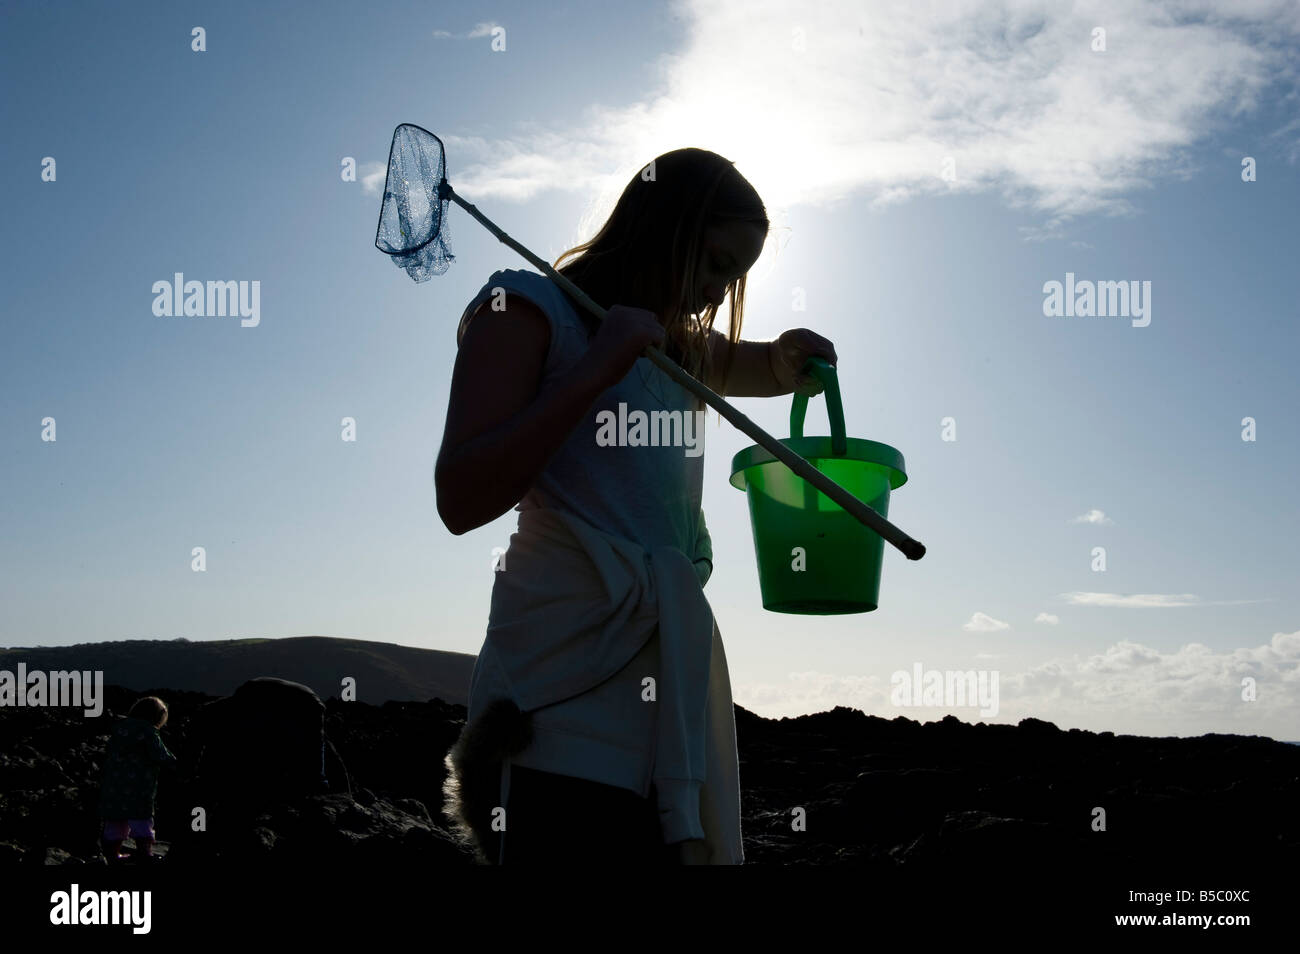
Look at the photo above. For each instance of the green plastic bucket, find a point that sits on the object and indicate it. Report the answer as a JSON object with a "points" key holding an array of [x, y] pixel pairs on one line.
{"points": [[814, 557]]}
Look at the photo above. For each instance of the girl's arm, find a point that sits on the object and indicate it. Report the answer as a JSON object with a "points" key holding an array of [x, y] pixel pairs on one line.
{"points": [[755, 371], [768, 368], [500, 432], [160, 751]]}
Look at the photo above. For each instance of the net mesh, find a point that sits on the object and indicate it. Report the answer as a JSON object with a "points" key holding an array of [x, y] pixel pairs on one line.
{"points": [[413, 220]]}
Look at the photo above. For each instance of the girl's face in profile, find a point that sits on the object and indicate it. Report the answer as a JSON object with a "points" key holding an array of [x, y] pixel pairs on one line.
{"points": [[727, 252]]}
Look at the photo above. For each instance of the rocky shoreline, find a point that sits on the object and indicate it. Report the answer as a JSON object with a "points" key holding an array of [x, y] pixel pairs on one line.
{"points": [[882, 794]]}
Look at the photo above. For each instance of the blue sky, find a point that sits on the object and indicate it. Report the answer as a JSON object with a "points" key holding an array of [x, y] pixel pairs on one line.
{"points": [[1072, 433]]}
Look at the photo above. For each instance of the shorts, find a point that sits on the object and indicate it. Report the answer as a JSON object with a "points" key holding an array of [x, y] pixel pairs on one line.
{"points": [[556, 819], [117, 829]]}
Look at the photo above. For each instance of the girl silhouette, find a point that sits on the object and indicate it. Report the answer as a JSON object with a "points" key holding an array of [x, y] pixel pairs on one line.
{"points": [[600, 725]]}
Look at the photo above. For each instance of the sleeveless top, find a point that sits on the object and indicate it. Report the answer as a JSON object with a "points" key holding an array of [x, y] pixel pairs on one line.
{"points": [[648, 494]]}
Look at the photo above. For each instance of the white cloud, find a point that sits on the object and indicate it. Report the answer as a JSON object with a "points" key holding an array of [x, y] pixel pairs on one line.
{"points": [[1145, 600], [983, 623], [372, 176], [479, 30], [1290, 136], [1047, 618], [1190, 691], [883, 93], [1134, 601], [1127, 688], [1093, 516]]}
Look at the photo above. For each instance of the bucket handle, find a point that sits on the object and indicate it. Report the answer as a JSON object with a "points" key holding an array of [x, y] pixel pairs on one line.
{"points": [[824, 372]]}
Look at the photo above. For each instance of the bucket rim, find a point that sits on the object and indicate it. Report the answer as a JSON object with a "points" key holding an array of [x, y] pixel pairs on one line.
{"points": [[811, 448]]}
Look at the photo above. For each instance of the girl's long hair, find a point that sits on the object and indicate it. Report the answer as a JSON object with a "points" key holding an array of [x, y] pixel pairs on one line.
{"points": [[644, 255]]}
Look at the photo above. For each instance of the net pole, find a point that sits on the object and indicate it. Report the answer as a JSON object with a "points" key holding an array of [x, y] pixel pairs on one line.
{"points": [[910, 548]]}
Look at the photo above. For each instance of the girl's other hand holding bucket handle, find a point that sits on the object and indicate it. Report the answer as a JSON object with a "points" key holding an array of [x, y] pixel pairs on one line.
{"points": [[791, 351]]}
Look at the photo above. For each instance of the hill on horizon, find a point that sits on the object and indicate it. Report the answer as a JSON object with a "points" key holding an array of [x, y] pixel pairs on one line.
{"points": [[383, 671]]}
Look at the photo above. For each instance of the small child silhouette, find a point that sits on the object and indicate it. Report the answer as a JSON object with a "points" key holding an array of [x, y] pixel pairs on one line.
{"points": [[130, 778]]}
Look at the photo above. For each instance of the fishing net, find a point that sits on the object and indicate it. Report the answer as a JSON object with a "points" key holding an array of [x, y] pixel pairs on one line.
{"points": [[413, 217]]}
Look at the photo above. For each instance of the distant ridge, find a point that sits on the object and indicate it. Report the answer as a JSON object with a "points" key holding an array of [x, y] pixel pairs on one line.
{"points": [[383, 671]]}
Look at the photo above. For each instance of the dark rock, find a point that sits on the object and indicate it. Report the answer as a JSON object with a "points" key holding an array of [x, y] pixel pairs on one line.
{"points": [[879, 794], [1036, 726]]}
